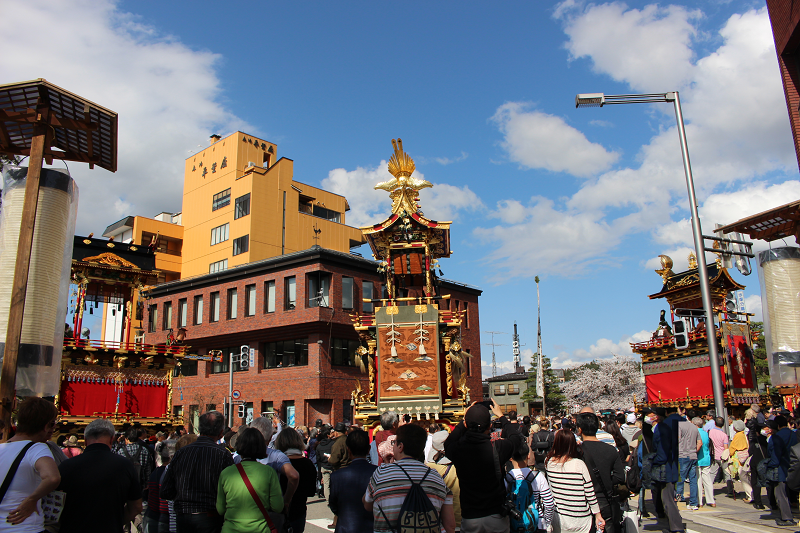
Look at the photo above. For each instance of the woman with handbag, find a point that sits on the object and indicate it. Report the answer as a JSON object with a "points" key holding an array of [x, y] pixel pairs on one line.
{"points": [[738, 444], [249, 490], [28, 469]]}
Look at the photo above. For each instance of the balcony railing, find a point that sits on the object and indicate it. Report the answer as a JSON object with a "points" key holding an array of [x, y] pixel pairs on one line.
{"points": [[666, 340], [152, 349]]}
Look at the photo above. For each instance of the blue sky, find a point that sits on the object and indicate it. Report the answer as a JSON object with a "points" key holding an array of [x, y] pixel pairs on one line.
{"points": [[483, 98]]}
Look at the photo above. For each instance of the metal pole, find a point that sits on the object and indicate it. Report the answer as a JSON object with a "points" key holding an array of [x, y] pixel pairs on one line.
{"points": [[702, 268], [230, 390]]}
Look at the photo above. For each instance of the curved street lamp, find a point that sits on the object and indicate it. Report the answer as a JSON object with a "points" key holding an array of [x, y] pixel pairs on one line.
{"points": [[599, 100]]}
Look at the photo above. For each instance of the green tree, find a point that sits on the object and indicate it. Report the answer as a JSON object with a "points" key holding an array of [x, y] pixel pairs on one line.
{"points": [[760, 354], [552, 389]]}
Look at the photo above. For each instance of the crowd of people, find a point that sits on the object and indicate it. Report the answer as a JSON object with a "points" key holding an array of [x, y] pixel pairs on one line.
{"points": [[490, 473]]}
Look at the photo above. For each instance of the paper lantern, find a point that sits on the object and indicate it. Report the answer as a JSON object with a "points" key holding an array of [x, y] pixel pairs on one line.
{"points": [[779, 276], [39, 360]]}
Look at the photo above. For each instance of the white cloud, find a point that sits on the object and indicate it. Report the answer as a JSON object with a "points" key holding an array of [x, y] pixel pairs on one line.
{"points": [[752, 304], [537, 140], [649, 48], [737, 131], [165, 94], [602, 349], [369, 206], [447, 160], [679, 256]]}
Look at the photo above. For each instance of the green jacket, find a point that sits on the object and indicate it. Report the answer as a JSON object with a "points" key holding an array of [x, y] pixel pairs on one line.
{"points": [[236, 504]]}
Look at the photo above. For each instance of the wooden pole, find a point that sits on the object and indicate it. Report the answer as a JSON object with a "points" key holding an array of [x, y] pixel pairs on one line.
{"points": [[8, 377]]}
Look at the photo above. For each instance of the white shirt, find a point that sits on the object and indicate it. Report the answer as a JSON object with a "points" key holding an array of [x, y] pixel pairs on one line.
{"points": [[26, 481]]}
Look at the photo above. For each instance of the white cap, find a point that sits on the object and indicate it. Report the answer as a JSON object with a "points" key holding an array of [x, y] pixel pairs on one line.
{"points": [[631, 418]]}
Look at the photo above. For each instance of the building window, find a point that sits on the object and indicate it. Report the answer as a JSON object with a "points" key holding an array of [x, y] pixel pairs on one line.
{"points": [[343, 352], [198, 310], [499, 390], [269, 297], [167, 318], [348, 286], [186, 368], [327, 214], [249, 300], [241, 245], [222, 367], [319, 286], [513, 388], [152, 318], [266, 408], [183, 310], [367, 289], [466, 314], [221, 199], [290, 293], [469, 365], [286, 353], [219, 234], [219, 266], [233, 303], [214, 310], [242, 206]]}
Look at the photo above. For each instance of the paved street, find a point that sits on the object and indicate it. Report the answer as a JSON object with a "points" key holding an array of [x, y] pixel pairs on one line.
{"points": [[319, 516]]}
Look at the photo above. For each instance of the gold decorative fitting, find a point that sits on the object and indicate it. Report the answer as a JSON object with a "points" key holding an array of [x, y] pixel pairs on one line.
{"points": [[400, 164], [392, 310], [692, 261], [402, 187], [109, 259], [420, 309], [666, 267]]}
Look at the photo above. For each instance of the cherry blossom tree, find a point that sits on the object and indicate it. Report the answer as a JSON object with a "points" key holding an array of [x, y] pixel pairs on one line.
{"points": [[605, 384]]}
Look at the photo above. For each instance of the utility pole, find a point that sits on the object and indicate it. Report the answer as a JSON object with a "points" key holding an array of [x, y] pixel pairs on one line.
{"points": [[230, 389], [540, 388], [493, 344]]}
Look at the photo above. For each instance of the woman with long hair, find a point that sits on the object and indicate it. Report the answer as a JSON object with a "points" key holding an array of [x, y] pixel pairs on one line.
{"points": [[571, 486], [624, 449], [290, 442], [235, 502]]}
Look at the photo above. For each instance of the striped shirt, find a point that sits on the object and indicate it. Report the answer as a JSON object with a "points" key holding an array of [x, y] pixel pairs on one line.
{"points": [[193, 474], [541, 493], [573, 492], [389, 485]]}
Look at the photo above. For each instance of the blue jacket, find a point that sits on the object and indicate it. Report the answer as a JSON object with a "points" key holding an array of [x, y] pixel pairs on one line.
{"points": [[779, 446], [665, 440], [348, 485]]}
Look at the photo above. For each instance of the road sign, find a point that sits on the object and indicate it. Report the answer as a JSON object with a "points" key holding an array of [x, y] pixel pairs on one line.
{"points": [[236, 394], [740, 301]]}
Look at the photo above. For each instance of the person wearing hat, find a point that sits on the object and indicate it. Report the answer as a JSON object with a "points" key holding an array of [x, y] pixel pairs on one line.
{"points": [[665, 470], [440, 462], [71, 448], [339, 455], [482, 488], [630, 431], [779, 447]]}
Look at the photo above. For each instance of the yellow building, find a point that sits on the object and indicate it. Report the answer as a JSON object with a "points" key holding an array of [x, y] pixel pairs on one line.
{"points": [[241, 204]]}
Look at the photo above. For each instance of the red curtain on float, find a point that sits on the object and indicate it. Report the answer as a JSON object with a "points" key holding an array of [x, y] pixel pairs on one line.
{"points": [[672, 385], [84, 399]]}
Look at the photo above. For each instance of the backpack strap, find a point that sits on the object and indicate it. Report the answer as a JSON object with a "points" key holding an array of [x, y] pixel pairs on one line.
{"points": [[13, 470]]}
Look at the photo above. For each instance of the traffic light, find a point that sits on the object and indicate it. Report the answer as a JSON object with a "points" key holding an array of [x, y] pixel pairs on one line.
{"points": [[730, 302], [680, 330], [244, 362], [742, 262], [241, 410]]}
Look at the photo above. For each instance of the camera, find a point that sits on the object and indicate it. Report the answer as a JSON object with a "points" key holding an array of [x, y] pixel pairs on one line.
{"points": [[510, 508]]}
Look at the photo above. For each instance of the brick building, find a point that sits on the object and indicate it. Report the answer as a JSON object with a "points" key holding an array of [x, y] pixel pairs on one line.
{"points": [[784, 15], [293, 312]]}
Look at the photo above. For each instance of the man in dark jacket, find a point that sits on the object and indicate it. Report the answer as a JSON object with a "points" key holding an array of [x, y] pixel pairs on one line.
{"points": [[541, 442], [758, 452], [479, 464], [779, 446], [665, 470], [605, 467], [349, 484]]}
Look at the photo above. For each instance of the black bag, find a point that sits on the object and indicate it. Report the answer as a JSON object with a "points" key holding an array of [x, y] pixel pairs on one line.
{"points": [[540, 448], [140, 470], [633, 477], [417, 514]]}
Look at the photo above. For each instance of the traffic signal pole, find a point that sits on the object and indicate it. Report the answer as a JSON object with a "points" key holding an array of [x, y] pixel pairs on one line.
{"points": [[230, 390]]}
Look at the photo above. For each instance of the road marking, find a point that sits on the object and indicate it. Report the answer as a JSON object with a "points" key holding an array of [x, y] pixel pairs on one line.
{"points": [[319, 522]]}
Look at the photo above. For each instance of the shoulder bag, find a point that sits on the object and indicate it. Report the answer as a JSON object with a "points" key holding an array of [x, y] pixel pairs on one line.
{"points": [[258, 501]]}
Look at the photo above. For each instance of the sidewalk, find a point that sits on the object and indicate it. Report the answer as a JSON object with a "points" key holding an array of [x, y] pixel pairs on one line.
{"points": [[727, 516]]}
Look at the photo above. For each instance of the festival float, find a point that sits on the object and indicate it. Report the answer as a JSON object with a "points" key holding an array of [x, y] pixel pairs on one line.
{"points": [[680, 373], [411, 345], [119, 377]]}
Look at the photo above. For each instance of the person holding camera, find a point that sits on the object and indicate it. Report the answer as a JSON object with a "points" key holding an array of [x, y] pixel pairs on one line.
{"points": [[479, 465]]}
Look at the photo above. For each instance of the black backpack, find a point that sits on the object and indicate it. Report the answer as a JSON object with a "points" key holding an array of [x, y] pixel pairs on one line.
{"points": [[540, 448], [417, 514]]}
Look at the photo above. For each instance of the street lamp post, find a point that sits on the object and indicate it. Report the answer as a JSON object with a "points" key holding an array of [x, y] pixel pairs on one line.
{"points": [[599, 100]]}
